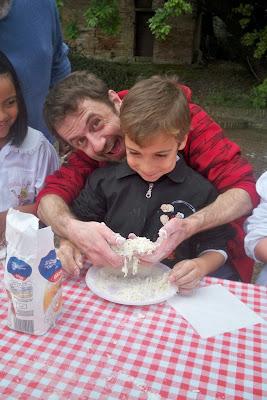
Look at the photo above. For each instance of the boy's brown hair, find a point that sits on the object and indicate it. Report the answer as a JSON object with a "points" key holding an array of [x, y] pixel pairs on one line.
{"points": [[155, 105]]}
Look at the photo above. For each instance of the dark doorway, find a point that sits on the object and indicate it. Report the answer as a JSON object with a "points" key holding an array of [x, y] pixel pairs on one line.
{"points": [[143, 36]]}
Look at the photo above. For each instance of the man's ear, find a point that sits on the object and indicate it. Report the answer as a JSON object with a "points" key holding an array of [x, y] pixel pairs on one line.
{"points": [[182, 144], [115, 99]]}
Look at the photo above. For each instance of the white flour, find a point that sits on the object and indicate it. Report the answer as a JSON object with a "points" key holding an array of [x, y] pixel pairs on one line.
{"points": [[130, 249], [148, 285]]}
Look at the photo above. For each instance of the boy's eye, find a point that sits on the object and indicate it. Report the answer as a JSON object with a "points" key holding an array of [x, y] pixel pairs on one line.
{"points": [[133, 153]]}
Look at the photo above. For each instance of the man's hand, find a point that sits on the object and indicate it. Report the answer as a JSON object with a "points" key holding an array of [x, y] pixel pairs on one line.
{"points": [[186, 275], [171, 235], [70, 257], [228, 206], [94, 239]]}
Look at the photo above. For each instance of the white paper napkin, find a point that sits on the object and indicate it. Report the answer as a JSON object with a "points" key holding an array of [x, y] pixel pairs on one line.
{"points": [[213, 310]]}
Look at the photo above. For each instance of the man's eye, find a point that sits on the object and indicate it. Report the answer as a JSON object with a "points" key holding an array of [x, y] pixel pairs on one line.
{"points": [[81, 142], [95, 124], [161, 155]]}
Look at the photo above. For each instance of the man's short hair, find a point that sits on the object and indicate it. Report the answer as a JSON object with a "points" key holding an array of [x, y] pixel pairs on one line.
{"points": [[153, 106], [64, 98]]}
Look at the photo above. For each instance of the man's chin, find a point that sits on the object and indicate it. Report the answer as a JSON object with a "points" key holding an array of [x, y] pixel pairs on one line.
{"points": [[118, 156], [110, 157]]}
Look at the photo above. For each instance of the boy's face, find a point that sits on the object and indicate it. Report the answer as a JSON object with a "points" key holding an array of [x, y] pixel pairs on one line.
{"points": [[154, 159]]}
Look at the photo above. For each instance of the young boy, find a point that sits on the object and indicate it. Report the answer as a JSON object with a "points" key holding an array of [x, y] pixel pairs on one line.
{"points": [[154, 184], [256, 228]]}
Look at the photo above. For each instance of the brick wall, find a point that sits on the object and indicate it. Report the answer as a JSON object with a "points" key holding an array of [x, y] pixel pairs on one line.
{"points": [[176, 49]]}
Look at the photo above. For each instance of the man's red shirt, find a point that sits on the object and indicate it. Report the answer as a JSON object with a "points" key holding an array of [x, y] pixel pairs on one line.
{"points": [[207, 151]]}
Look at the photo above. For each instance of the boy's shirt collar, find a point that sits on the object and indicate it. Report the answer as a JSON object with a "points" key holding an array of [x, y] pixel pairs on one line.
{"points": [[177, 175]]}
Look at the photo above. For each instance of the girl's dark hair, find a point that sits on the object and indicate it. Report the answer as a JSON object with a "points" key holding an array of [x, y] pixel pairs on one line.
{"points": [[18, 130]]}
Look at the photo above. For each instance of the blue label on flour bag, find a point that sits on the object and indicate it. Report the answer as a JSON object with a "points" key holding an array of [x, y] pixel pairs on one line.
{"points": [[18, 268], [50, 267]]}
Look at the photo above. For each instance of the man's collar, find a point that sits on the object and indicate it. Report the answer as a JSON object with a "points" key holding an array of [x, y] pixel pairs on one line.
{"points": [[177, 175]]}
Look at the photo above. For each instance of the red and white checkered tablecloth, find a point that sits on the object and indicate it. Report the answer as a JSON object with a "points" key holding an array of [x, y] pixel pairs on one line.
{"points": [[100, 350]]}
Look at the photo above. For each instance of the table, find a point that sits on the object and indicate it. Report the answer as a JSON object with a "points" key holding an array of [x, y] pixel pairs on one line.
{"points": [[100, 350]]}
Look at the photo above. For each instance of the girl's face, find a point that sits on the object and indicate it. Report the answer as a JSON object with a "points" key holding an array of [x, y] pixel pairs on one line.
{"points": [[8, 107], [156, 158]]}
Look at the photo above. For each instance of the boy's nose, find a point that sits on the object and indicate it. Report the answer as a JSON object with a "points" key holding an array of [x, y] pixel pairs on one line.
{"points": [[146, 169]]}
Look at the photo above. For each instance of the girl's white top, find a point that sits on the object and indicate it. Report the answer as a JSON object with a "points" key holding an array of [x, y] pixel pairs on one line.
{"points": [[256, 224], [23, 169]]}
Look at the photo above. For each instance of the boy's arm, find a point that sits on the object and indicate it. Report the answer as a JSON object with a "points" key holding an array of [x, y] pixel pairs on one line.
{"points": [[187, 274]]}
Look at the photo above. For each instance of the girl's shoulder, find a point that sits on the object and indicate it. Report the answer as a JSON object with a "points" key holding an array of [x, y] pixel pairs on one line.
{"points": [[33, 141]]}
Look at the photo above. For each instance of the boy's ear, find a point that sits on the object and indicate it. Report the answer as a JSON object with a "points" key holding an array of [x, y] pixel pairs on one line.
{"points": [[182, 144], [115, 99]]}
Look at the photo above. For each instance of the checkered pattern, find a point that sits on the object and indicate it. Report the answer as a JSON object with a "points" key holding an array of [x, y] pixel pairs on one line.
{"points": [[100, 350]]}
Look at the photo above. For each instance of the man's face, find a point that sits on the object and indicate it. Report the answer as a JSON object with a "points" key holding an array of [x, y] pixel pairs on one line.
{"points": [[95, 129], [5, 6]]}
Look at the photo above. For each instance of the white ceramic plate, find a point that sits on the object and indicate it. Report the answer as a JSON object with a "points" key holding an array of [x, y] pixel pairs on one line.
{"points": [[100, 282]]}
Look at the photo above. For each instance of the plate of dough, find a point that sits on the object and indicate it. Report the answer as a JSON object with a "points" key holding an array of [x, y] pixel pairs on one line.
{"points": [[134, 284]]}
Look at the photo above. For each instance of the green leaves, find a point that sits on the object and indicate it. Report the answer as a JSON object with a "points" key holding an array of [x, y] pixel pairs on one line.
{"points": [[103, 14], [256, 38], [159, 23]]}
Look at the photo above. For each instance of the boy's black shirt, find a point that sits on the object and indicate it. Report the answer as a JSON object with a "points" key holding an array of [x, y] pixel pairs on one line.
{"points": [[116, 195]]}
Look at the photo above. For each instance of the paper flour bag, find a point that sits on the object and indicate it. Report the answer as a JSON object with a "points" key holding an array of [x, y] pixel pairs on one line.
{"points": [[32, 276]]}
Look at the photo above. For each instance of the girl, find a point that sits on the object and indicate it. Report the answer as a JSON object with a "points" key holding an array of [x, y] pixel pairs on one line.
{"points": [[26, 157]]}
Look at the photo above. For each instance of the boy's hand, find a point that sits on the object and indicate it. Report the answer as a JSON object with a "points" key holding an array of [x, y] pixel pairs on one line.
{"points": [[186, 275], [70, 257]]}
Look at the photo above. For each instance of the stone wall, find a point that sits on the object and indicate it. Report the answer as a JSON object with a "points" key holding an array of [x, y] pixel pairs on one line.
{"points": [[176, 49]]}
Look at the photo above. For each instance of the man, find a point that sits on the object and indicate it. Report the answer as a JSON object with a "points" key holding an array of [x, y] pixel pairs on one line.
{"points": [[30, 36], [83, 112]]}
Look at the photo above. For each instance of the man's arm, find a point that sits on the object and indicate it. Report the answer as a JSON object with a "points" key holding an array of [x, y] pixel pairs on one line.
{"points": [[93, 239], [228, 206], [52, 202], [209, 152]]}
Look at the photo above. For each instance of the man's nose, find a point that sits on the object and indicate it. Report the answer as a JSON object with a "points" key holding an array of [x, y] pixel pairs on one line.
{"points": [[97, 143]]}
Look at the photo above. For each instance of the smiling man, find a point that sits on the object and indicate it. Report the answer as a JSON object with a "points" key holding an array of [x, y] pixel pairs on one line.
{"points": [[85, 113]]}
